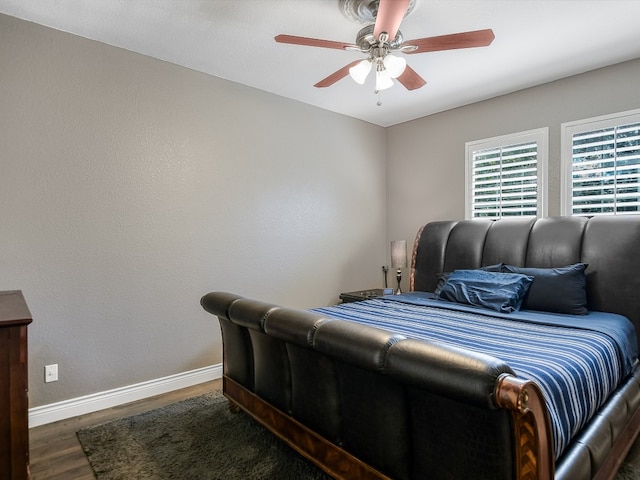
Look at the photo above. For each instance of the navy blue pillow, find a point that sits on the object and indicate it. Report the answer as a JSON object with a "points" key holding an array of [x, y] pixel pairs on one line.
{"points": [[558, 290], [442, 277], [503, 292]]}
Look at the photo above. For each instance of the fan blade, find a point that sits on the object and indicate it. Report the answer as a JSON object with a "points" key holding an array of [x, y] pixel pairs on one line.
{"points": [[335, 76], [410, 79], [477, 38], [390, 14], [312, 42]]}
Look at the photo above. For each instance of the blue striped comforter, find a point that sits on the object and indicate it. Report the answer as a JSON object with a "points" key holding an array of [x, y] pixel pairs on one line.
{"points": [[577, 361]]}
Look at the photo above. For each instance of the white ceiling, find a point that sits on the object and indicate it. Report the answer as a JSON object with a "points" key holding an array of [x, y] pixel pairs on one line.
{"points": [[537, 41]]}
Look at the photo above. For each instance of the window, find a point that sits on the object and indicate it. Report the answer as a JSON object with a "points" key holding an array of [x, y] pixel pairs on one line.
{"points": [[601, 165], [506, 175]]}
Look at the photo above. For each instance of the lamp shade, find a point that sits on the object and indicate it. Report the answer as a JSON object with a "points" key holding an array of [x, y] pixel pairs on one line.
{"points": [[360, 71], [394, 65], [398, 254], [383, 80]]}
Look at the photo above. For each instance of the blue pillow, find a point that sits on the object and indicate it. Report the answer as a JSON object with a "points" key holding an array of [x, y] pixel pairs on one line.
{"points": [[442, 277], [558, 290], [503, 292]]}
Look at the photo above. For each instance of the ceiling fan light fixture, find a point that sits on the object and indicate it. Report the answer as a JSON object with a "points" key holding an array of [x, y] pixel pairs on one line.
{"points": [[383, 80], [394, 65], [360, 71]]}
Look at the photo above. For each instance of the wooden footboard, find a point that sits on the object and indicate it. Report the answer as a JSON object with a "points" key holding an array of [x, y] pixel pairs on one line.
{"points": [[532, 426], [327, 456]]}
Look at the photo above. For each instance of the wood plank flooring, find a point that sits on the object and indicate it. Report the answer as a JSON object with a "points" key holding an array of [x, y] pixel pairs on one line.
{"points": [[55, 452]]}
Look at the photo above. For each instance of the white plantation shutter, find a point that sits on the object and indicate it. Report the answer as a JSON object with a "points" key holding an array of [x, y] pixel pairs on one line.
{"points": [[605, 171], [602, 165], [505, 175]]}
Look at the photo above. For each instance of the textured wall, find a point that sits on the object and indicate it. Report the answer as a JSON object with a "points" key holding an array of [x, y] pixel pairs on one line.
{"points": [[426, 169], [129, 187]]}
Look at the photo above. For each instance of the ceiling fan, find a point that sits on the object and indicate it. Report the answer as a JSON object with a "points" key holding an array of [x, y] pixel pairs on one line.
{"points": [[381, 38]]}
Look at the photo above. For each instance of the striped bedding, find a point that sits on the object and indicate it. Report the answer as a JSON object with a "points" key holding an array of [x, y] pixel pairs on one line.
{"points": [[577, 361]]}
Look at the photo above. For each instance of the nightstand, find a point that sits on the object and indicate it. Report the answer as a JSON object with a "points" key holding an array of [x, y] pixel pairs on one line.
{"points": [[360, 295]]}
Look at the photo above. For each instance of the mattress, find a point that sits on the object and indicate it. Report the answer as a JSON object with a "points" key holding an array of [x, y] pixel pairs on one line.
{"points": [[576, 360]]}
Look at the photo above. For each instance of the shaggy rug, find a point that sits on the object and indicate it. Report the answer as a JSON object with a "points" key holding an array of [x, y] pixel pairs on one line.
{"points": [[195, 439], [200, 439], [628, 472]]}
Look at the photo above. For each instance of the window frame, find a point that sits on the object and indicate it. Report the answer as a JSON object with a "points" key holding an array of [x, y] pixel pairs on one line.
{"points": [[568, 129], [538, 135]]}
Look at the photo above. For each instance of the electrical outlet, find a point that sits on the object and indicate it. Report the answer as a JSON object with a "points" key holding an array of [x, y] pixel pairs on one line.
{"points": [[51, 373]]}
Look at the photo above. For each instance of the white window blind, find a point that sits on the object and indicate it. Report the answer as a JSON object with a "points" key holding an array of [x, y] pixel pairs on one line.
{"points": [[602, 165], [505, 175]]}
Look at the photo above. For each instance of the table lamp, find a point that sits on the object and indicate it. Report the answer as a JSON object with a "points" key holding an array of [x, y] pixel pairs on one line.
{"points": [[399, 259]]}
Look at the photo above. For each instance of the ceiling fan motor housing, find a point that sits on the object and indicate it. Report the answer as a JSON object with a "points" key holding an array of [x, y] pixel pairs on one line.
{"points": [[365, 39]]}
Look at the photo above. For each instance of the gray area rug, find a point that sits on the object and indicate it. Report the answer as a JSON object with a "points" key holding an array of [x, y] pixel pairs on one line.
{"points": [[628, 472], [200, 439], [196, 439]]}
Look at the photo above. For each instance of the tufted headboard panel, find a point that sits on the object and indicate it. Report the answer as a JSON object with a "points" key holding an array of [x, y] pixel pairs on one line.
{"points": [[609, 244]]}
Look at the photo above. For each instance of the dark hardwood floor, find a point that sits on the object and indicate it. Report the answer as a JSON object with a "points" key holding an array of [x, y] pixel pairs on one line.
{"points": [[55, 452]]}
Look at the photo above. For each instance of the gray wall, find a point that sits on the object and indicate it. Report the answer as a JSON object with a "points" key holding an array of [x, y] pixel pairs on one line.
{"points": [[129, 187], [426, 157]]}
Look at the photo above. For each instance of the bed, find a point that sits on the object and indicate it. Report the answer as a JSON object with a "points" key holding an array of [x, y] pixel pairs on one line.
{"points": [[513, 356]]}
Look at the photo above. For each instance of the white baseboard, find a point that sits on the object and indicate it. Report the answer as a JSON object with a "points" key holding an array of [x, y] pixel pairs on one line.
{"points": [[118, 396]]}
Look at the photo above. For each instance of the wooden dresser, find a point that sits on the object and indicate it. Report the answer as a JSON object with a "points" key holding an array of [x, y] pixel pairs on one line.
{"points": [[14, 402]]}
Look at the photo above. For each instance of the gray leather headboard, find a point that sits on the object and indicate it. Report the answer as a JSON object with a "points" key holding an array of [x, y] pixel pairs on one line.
{"points": [[609, 244]]}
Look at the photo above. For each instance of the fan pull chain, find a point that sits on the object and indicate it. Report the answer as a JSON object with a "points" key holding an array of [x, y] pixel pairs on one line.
{"points": [[379, 102]]}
